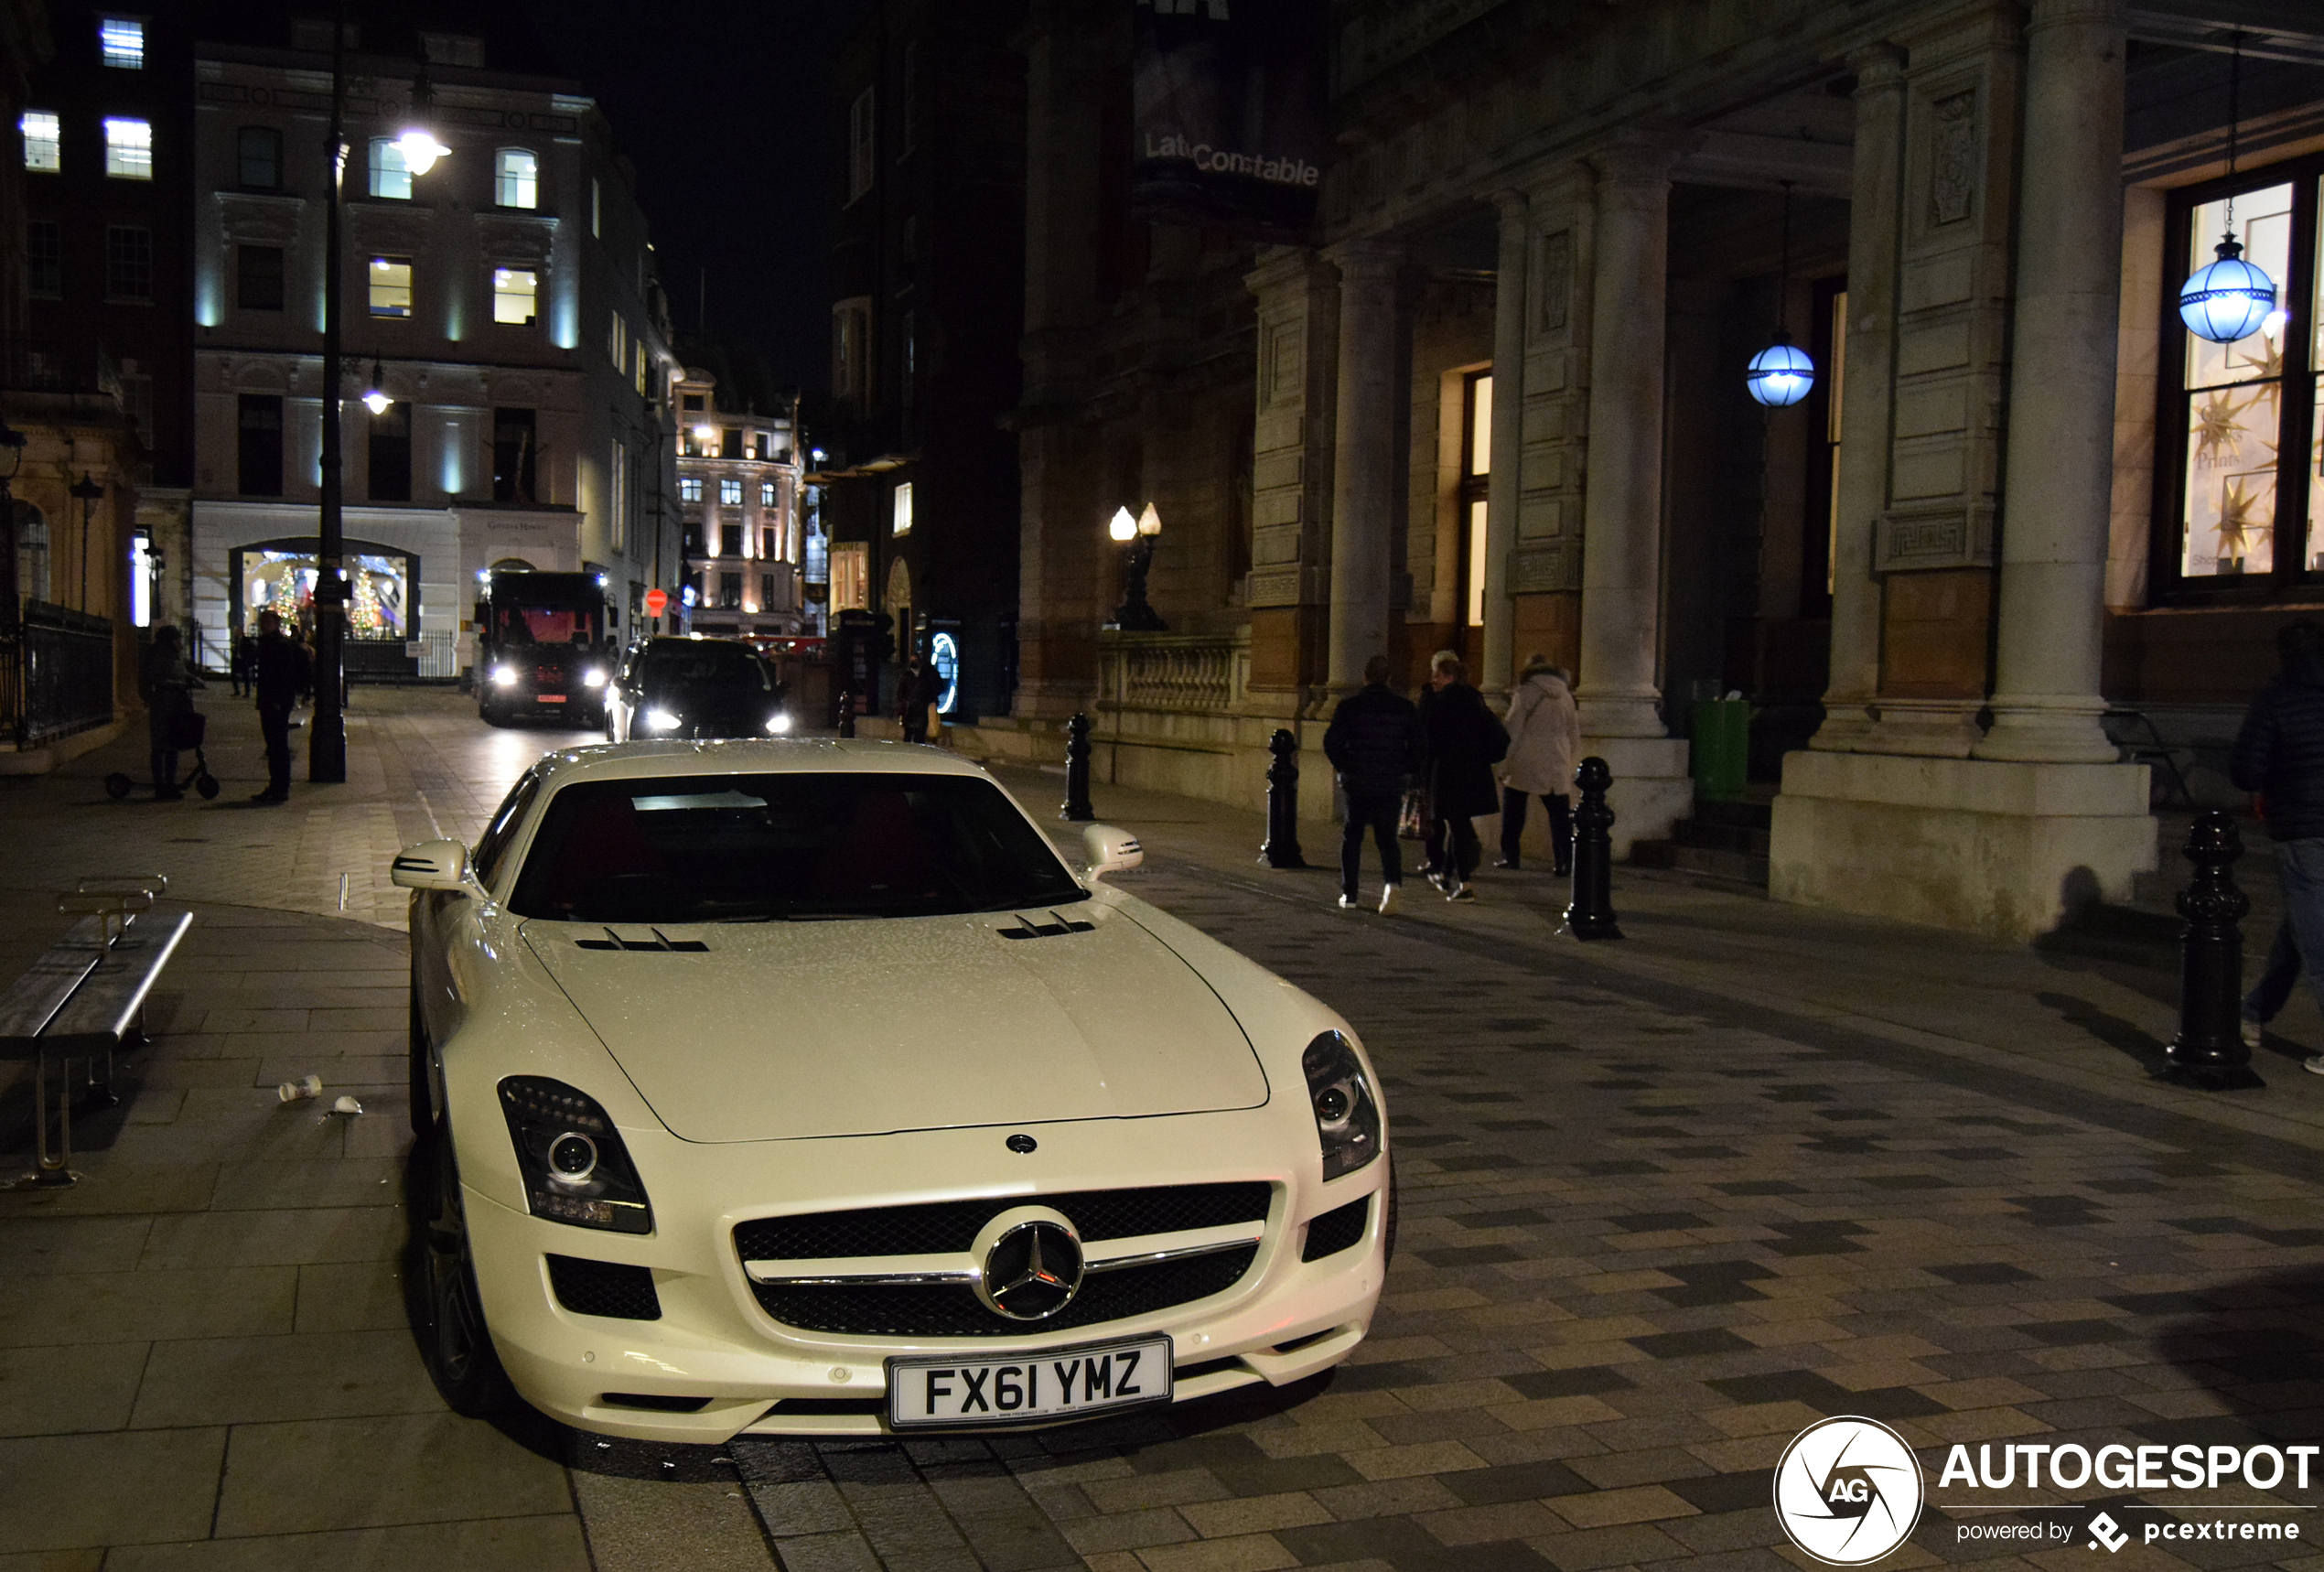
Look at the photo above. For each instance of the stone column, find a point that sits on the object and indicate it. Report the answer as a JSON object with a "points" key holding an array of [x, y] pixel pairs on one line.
{"points": [[1622, 506], [1498, 667], [1862, 484], [1363, 499], [2056, 497]]}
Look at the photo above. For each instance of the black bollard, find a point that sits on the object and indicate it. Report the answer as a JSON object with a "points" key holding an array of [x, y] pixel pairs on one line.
{"points": [[1281, 847], [846, 713], [1591, 913], [2209, 1045], [1076, 806]]}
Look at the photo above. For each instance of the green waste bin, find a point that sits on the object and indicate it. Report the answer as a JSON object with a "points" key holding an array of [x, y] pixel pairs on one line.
{"points": [[1722, 748]]}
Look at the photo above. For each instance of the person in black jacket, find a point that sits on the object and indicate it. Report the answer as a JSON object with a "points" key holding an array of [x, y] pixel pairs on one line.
{"points": [[1375, 744], [2279, 758], [281, 675], [1465, 741]]}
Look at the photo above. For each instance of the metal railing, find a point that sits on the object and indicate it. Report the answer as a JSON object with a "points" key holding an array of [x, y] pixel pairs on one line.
{"points": [[55, 673]]}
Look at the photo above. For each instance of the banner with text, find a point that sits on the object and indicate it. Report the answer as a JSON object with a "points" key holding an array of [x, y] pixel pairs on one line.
{"points": [[1228, 122]]}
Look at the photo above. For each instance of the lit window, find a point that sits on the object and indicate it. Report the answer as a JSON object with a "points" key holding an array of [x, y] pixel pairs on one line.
{"points": [[44, 150], [903, 520], [516, 294], [689, 488], [390, 285], [129, 150], [518, 181], [618, 342], [730, 493], [641, 367], [766, 493], [122, 42], [391, 177]]}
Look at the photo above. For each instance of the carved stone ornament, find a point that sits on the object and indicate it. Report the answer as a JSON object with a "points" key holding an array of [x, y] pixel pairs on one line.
{"points": [[1952, 158], [1556, 274], [1555, 566], [377, 229], [1951, 536], [250, 219], [507, 240]]}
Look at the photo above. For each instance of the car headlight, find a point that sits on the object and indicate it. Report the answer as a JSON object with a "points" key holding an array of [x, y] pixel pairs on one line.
{"points": [[661, 720], [1346, 1114], [576, 1169], [777, 724], [592, 678], [504, 676]]}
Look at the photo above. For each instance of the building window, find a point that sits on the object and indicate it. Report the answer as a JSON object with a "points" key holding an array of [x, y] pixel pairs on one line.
{"points": [[1475, 472], [770, 543], [730, 445], [766, 493], [901, 519], [515, 462], [120, 43], [2239, 419], [258, 455], [129, 263], [391, 279], [850, 368], [730, 493], [617, 501], [516, 295], [850, 569], [617, 342], [765, 592], [689, 488], [44, 152], [391, 456], [638, 351], [44, 254], [596, 207], [690, 400], [129, 150], [862, 143], [137, 400], [729, 540], [391, 177], [258, 278], [453, 49], [517, 178], [730, 592], [259, 149]]}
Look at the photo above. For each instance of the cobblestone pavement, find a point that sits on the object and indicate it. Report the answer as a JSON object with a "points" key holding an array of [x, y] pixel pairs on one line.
{"points": [[1664, 1203]]}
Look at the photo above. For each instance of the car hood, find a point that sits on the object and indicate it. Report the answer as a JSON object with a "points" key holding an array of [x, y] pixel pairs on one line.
{"points": [[780, 1031]]}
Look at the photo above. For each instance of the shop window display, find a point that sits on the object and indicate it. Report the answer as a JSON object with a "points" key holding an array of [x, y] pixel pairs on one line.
{"points": [[284, 581]]}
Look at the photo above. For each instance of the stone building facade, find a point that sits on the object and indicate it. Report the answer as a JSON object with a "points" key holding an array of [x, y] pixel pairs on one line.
{"points": [[2016, 500], [738, 498]]}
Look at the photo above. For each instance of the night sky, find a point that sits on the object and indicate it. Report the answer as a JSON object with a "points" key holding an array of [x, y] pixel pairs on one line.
{"points": [[724, 108]]}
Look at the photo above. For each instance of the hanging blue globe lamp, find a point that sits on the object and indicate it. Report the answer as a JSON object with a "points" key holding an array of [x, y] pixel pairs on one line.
{"points": [[2228, 299], [1781, 373]]}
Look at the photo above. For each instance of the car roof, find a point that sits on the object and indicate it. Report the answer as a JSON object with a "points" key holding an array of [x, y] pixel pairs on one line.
{"points": [[681, 643], [750, 756]]}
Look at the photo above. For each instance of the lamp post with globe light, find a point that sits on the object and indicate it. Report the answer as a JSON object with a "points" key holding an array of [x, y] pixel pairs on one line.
{"points": [[85, 491], [1136, 614]]}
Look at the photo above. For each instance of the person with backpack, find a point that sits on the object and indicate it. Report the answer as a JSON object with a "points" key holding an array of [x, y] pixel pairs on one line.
{"points": [[1375, 742], [1465, 741], [2279, 758]]}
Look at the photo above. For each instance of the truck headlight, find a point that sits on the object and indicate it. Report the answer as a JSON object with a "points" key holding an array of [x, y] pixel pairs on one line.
{"points": [[592, 678], [777, 724], [1346, 1114], [576, 1169], [504, 676], [661, 720]]}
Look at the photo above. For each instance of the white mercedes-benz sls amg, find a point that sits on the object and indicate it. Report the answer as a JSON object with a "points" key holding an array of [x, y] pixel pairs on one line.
{"points": [[799, 1088]]}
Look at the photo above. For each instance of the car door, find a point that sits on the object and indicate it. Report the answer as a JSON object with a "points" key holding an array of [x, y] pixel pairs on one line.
{"points": [[446, 921]]}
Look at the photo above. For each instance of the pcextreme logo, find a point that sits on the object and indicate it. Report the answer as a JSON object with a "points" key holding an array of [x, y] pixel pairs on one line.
{"points": [[1848, 1490]]}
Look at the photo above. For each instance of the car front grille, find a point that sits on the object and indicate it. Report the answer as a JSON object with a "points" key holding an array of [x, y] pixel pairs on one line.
{"points": [[881, 1310], [952, 1310], [605, 1288]]}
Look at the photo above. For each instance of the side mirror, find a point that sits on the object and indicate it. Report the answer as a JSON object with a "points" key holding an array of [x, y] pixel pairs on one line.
{"points": [[1111, 850], [433, 865]]}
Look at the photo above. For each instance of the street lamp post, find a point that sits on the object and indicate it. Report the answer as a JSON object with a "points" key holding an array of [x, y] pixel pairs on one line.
{"points": [[86, 492], [1136, 614], [327, 733]]}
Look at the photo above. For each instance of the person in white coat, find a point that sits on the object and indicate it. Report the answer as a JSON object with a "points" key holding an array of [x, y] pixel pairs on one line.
{"points": [[1544, 736]]}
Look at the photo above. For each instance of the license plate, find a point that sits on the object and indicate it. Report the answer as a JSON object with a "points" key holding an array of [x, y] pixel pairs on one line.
{"points": [[1028, 1388], [549, 698]]}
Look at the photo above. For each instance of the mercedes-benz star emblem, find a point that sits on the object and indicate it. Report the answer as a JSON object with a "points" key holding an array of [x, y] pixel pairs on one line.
{"points": [[1032, 1264]]}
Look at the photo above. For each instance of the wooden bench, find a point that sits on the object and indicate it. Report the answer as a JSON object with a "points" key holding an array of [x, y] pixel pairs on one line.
{"points": [[85, 997]]}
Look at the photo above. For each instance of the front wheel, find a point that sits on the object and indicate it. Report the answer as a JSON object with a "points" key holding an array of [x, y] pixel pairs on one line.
{"points": [[206, 784], [456, 1341], [118, 786]]}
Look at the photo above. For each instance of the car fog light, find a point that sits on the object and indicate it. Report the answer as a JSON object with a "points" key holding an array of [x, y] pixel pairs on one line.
{"points": [[661, 720], [777, 724], [504, 676], [1346, 1114], [576, 1169]]}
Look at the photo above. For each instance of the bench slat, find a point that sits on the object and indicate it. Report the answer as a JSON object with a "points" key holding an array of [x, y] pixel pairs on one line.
{"points": [[102, 1008], [34, 999]]}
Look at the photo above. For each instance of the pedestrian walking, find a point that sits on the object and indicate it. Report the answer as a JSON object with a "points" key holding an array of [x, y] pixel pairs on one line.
{"points": [[1544, 736], [916, 693], [237, 664], [282, 673], [1465, 741], [166, 683], [1374, 741], [2279, 758]]}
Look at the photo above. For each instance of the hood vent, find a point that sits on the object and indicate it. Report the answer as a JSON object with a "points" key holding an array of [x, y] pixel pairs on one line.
{"points": [[661, 942], [1028, 928]]}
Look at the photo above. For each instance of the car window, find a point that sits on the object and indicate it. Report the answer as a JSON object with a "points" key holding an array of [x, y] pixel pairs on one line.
{"points": [[493, 845], [703, 666], [788, 846]]}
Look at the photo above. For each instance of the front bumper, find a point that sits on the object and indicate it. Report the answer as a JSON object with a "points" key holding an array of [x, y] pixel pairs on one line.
{"points": [[1285, 1319]]}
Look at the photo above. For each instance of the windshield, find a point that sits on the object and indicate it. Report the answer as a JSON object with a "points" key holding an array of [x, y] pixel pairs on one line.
{"points": [[548, 625], [707, 666], [795, 847]]}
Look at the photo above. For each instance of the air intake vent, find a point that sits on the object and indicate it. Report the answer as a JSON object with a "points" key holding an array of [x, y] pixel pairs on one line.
{"points": [[1336, 1229], [659, 942], [1028, 928], [605, 1288]]}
